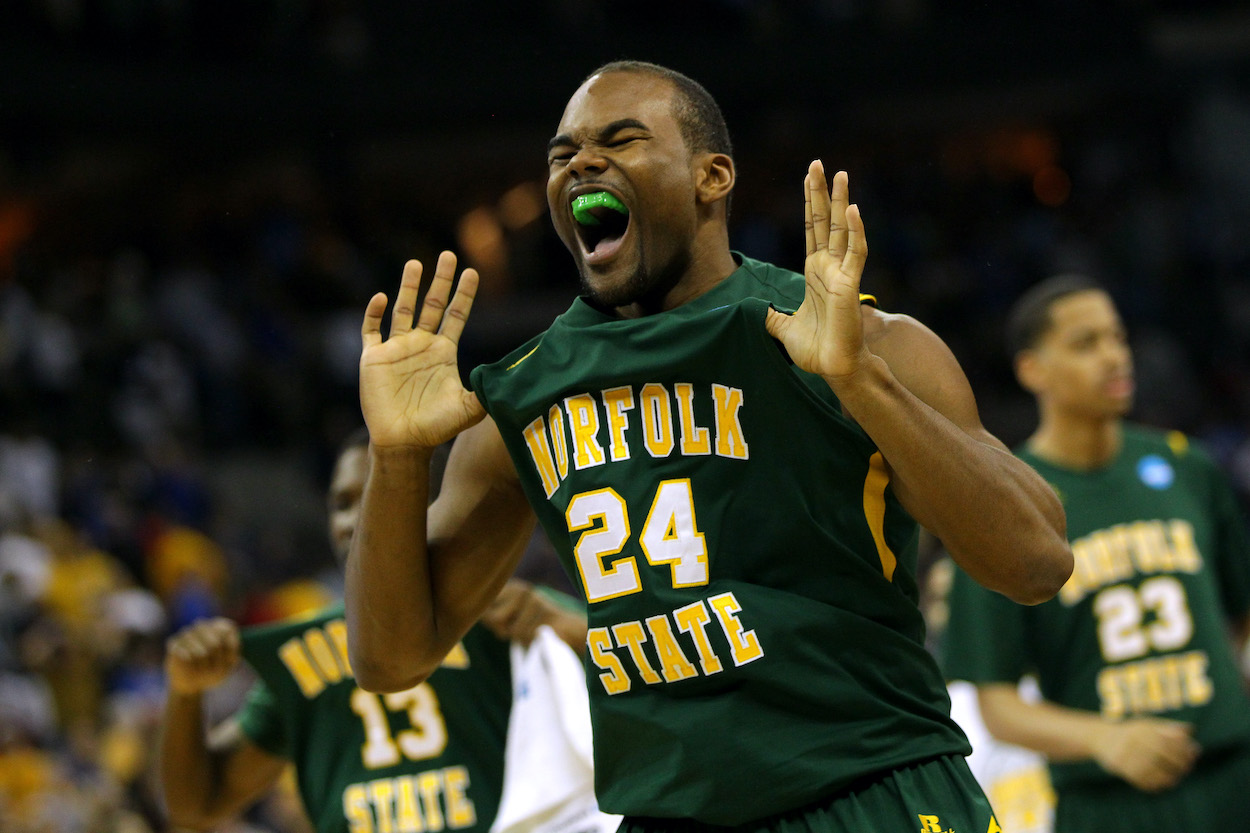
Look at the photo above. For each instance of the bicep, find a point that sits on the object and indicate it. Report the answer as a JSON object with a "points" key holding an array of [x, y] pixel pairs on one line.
{"points": [[479, 525], [926, 367]]}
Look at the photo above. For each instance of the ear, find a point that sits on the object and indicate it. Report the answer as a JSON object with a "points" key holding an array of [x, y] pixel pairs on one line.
{"points": [[714, 179], [1030, 372]]}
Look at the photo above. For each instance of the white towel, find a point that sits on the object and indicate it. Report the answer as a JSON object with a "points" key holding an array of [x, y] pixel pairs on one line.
{"points": [[548, 764]]}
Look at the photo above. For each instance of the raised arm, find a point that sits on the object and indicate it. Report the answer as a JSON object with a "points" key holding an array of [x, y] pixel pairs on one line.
{"points": [[999, 520], [416, 582], [207, 779]]}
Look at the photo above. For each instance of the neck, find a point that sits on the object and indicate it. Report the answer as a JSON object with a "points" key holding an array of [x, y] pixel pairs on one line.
{"points": [[1076, 442], [710, 263]]}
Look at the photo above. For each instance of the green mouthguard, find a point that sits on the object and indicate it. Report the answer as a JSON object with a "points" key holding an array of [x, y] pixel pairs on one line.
{"points": [[582, 207]]}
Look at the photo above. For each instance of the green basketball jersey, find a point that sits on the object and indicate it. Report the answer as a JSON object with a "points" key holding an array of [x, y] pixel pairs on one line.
{"points": [[1161, 563], [427, 759], [754, 640]]}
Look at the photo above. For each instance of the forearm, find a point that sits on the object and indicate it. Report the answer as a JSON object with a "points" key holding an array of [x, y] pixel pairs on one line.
{"points": [[1058, 732], [189, 775], [392, 624], [997, 518]]}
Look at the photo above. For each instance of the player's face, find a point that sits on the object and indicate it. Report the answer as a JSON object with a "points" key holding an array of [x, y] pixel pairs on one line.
{"points": [[346, 487], [1082, 363], [619, 134]]}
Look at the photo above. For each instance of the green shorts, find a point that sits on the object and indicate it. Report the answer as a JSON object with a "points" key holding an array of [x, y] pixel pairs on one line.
{"points": [[1215, 797], [935, 796]]}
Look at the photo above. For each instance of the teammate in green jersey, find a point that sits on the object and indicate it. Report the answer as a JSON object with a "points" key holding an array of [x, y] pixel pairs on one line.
{"points": [[728, 460], [1145, 717], [430, 758]]}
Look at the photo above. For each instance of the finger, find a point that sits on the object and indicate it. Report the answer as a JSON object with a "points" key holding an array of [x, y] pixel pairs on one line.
{"points": [[371, 327], [856, 246], [406, 299], [458, 312], [436, 296], [809, 232], [1178, 757], [838, 199], [776, 323], [818, 200]]}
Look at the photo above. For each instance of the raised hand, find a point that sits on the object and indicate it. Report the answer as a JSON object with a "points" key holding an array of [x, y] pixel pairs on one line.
{"points": [[410, 388], [826, 334], [201, 655]]}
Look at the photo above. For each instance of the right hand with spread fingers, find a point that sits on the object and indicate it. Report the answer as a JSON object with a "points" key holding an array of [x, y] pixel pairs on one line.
{"points": [[201, 655], [411, 393]]}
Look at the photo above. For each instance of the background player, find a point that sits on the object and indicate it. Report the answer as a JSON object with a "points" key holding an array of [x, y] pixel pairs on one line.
{"points": [[431, 758], [1145, 720], [728, 484]]}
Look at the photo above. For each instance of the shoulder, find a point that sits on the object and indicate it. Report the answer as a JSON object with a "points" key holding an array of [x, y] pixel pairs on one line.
{"points": [[295, 624], [921, 361], [1174, 446], [783, 287]]}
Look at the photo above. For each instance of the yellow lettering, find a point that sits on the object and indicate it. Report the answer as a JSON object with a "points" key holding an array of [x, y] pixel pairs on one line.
{"points": [[555, 418], [337, 629], [1198, 687], [323, 655], [407, 806], [584, 424], [730, 441], [617, 401], [614, 678], [631, 635], [457, 657], [1113, 707], [540, 452], [695, 440], [382, 794], [1188, 559], [673, 662], [1154, 685], [694, 619], [744, 646], [356, 809], [295, 658], [460, 810], [430, 784], [657, 420], [930, 824]]}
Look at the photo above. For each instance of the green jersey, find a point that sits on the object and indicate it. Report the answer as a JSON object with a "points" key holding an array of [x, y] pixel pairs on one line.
{"points": [[1162, 562], [429, 759], [754, 641]]}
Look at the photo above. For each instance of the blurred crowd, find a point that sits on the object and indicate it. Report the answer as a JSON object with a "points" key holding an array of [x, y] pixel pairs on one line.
{"points": [[178, 347]]}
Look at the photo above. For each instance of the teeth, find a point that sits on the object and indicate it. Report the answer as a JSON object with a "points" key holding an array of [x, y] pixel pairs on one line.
{"points": [[583, 207]]}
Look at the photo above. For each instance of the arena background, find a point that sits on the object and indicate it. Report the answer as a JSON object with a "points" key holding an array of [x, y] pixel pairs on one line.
{"points": [[197, 198]]}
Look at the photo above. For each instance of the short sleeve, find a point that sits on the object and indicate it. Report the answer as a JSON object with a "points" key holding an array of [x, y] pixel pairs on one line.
{"points": [[984, 640], [261, 720], [1233, 557]]}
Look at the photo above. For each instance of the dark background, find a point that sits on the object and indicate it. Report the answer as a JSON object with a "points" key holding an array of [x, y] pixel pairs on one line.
{"points": [[197, 198]]}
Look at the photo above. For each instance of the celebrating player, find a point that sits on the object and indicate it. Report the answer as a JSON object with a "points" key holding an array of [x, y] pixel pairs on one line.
{"points": [[728, 458]]}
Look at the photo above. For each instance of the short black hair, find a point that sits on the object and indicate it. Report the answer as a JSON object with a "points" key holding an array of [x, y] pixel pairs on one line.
{"points": [[1029, 318], [698, 115]]}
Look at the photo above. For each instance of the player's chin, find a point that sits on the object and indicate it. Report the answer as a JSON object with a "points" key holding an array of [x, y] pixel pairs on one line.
{"points": [[609, 287]]}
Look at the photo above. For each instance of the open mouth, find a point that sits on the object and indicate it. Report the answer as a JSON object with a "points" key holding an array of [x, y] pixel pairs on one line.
{"points": [[601, 222]]}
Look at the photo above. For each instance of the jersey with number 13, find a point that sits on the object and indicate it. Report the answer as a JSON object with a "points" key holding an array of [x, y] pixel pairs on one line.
{"points": [[427, 759]]}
